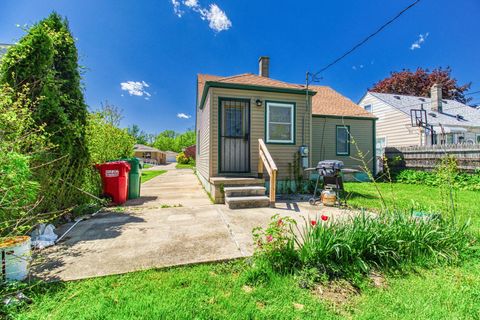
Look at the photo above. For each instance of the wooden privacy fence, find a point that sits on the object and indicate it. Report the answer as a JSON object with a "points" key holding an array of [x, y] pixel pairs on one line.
{"points": [[428, 157]]}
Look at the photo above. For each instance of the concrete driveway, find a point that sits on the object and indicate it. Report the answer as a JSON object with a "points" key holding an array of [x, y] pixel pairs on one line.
{"points": [[174, 223]]}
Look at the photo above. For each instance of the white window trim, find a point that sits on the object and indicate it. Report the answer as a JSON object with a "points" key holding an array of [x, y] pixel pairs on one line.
{"points": [[292, 122]]}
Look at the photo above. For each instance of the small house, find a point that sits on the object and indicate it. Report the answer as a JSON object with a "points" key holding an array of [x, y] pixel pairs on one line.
{"points": [[405, 120], [149, 154], [251, 128]]}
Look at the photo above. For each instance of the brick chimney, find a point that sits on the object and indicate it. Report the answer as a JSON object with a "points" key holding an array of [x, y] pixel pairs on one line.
{"points": [[264, 66], [436, 97]]}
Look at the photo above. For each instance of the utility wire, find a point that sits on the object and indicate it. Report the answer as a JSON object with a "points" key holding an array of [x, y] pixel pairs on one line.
{"points": [[367, 38], [470, 93]]}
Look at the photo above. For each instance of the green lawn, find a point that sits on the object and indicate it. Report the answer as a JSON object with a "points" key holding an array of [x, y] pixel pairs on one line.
{"points": [[410, 196], [198, 292], [150, 174], [217, 291], [185, 166]]}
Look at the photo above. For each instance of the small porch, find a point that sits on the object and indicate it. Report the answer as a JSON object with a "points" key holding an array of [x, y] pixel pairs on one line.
{"points": [[247, 191]]}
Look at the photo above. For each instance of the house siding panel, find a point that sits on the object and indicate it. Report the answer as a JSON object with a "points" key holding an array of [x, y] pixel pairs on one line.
{"points": [[283, 155], [324, 140], [203, 153], [392, 124]]}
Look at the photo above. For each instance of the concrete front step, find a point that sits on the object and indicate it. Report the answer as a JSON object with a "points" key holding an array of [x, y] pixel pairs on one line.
{"points": [[247, 202], [244, 191]]}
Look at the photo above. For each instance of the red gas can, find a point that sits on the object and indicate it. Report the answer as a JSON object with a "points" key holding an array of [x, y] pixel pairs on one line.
{"points": [[115, 180]]}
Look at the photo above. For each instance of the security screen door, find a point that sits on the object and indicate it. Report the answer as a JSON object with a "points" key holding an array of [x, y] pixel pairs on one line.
{"points": [[234, 136]]}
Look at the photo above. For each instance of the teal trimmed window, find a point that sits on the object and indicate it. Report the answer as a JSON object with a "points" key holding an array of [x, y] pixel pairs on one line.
{"points": [[280, 122], [342, 141]]}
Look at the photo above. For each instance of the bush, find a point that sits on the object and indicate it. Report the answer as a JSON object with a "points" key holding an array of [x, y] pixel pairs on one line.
{"points": [[21, 141], [183, 159], [276, 244], [360, 245], [46, 60], [459, 180]]}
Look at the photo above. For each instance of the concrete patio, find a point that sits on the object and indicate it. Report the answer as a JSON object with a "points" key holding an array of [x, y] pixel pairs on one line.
{"points": [[174, 223]]}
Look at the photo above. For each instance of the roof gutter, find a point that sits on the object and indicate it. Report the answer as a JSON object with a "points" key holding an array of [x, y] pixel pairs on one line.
{"points": [[216, 84]]}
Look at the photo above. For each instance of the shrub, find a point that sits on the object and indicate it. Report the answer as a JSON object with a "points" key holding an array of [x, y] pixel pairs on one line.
{"points": [[276, 244], [360, 245], [183, 159], [20, 142], [446, 175], [46, 60]]}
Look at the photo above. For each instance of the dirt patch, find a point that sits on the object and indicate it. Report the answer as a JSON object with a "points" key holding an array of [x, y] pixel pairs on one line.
{"points": [[378, 280], [336, 292]]}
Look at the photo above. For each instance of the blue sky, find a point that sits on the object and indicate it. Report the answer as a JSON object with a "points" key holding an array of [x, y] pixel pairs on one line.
{"points": [[163, 44]]}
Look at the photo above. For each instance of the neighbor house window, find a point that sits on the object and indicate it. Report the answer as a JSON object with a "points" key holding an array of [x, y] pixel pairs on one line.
{"points": [[478, 138], [280, 122], [343, 140], [381, 143], [368, 108]]}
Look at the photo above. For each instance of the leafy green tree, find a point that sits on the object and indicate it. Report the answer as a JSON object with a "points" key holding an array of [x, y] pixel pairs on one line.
{"points": [[140, 136], [46, 60], [106, 141], [173, 141]]}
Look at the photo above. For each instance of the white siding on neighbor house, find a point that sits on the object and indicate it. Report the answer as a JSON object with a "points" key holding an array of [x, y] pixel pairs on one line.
{"points": [[203, 150], [324, 140], [392, 124]]}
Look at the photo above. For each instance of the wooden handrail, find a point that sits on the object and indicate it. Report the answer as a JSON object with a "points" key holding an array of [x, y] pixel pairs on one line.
{"points": [[265, 160]]}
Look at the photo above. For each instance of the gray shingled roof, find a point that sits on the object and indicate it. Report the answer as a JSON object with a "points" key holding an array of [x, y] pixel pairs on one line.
{"points": [[451, 108], [143, 148]]}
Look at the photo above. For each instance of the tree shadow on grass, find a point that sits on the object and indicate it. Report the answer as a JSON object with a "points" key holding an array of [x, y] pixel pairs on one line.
{"points": [[357, 195]]}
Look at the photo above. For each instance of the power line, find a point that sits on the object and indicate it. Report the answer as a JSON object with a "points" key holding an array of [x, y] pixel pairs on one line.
{"points": [[470, 93], [367, 38]]}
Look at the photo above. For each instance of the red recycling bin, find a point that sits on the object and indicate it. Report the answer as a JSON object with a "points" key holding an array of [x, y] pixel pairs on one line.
{"points": [[115, 180]]}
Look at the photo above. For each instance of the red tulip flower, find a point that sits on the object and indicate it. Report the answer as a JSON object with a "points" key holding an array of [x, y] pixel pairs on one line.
{"points": [[324, 217], [269, 238], [280, 222], [313, 223]]}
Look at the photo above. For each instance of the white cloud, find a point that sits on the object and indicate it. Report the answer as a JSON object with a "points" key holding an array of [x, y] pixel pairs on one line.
{"points": [[176, 8], [216, 17], [421, 39], [183, 116], [191, 3], [136, 88]]}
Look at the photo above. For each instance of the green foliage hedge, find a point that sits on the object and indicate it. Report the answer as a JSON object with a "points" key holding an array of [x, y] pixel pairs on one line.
{"points": [[48, 140], [183, 159], [459, 180], [46, 60], [359, 245]]}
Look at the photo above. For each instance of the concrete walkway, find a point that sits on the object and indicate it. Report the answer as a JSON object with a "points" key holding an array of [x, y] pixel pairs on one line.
{"points": [[174, 223]]}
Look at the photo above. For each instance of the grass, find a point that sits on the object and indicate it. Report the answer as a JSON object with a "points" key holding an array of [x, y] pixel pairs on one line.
{"points": [[150, 174], [219, 291], [440, 293], [147, 165], [418, 197], [214, 291], [185, 166]]}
